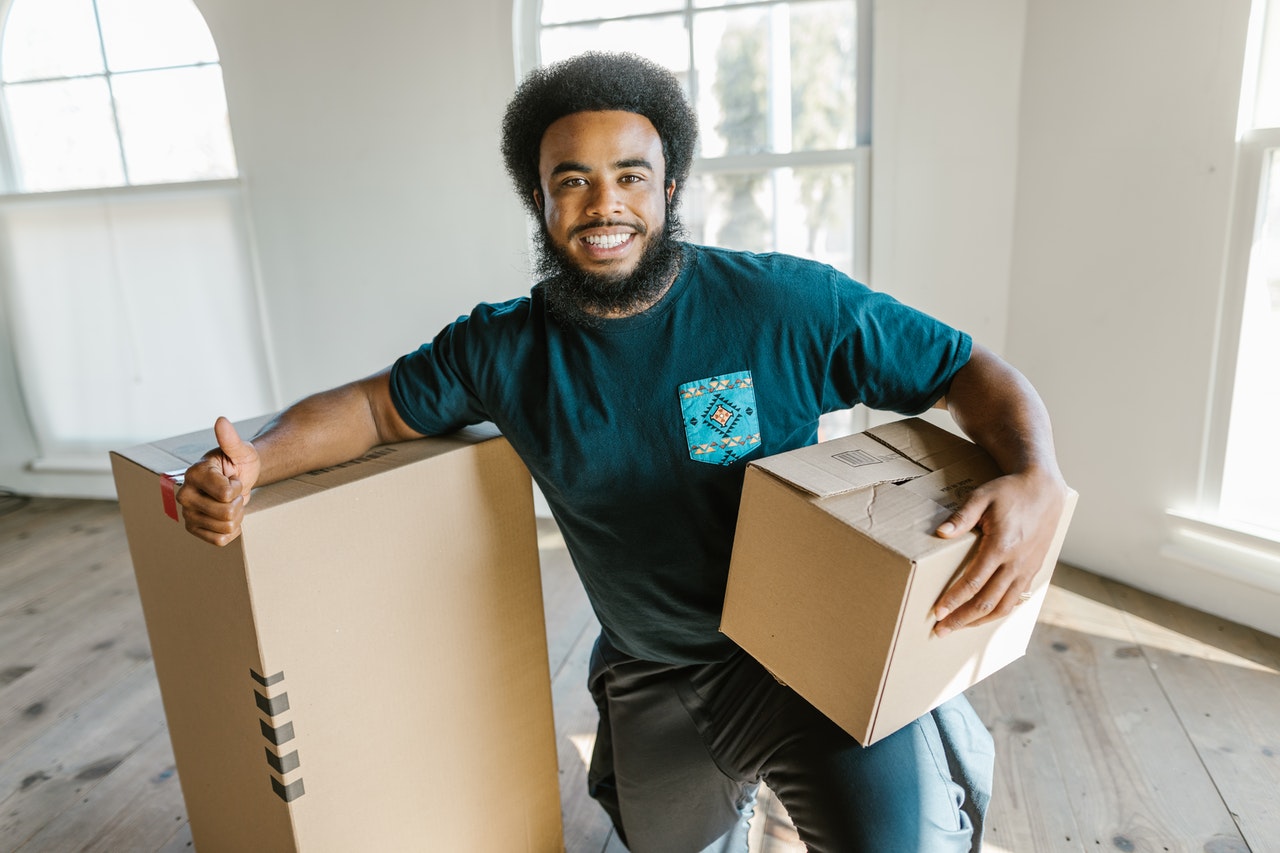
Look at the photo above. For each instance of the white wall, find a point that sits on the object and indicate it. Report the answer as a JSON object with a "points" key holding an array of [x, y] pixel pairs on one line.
{"points": [[366, 135], [944, 151]]}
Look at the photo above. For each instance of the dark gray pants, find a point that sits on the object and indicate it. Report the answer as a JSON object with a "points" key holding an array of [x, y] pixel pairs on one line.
{"points": [[680, 751]]}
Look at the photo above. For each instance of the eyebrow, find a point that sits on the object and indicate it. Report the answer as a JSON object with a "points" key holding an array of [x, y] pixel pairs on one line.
{"points": [[574, 166]]}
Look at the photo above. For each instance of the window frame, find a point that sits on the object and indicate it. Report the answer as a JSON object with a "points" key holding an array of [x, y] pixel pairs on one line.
{"points": [[1252, 151], [1203, 536]]}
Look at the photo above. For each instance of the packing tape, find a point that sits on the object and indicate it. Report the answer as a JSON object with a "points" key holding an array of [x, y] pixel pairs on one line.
{"points": [[169, 484]]}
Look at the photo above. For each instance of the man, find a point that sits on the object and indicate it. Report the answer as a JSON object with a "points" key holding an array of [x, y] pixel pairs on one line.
{"points": [[600, 379]]}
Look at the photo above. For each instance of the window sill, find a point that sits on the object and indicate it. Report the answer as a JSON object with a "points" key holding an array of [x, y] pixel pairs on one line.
{"points": [[1248, 556], [130, 190]]}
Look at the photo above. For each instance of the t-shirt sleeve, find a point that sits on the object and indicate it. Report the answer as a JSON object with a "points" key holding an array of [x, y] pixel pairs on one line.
{"points": [[890, 356], [432, 387]]}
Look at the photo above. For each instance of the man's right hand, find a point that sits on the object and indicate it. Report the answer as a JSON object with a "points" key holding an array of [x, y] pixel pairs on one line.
{"points": [[216, 489]]}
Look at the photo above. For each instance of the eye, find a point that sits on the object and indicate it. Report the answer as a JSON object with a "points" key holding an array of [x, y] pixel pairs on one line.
{"points": [[631, 179], [574, 182]]}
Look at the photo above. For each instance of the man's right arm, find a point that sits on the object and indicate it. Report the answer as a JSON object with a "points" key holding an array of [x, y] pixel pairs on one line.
{"points": [[316, 432]]}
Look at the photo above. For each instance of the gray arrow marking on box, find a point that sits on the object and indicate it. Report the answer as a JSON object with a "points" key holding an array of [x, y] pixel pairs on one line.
{"points": [[277, 735], [289, 792], [267, 680], [275, 705], [283, 764]]}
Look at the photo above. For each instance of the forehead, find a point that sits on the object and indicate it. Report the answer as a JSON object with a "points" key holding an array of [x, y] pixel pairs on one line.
{"points": [[599, 138]]}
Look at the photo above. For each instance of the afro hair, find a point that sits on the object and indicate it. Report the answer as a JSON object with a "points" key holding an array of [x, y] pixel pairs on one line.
{"points": [[589, 82]]}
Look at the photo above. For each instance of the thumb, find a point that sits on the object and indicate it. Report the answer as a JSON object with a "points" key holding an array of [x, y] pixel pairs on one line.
{"points": [[229, 441]]}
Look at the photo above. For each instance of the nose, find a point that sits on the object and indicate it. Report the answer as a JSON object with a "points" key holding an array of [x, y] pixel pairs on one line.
{"points": [[604, 200]]}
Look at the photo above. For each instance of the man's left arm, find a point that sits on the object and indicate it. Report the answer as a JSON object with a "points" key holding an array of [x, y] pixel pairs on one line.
{"points": [[1016, 514]]}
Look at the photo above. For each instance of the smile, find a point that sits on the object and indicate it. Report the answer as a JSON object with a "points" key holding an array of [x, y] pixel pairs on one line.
{"points": [[606, 241]]}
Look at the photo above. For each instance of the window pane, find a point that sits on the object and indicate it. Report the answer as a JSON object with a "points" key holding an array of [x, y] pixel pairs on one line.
{"points": [[1252, 468], [64, 135], [823, 76], [50, 38], [731, 53], [777, 78], [731, 209], [174, 125], [804, 211], [663, 39], [563, 11], [154, 34], [815, 214]]}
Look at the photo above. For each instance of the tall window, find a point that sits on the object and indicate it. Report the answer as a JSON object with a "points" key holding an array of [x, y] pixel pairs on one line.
{"points": [[100, 93], [1251, 464], [124, 226], [781, 90]]}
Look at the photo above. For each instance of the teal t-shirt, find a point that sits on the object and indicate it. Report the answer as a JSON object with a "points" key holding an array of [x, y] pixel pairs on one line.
{"points": [[638, 432]]}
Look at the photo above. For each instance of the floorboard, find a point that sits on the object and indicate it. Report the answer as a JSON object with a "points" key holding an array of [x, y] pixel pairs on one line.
{"points": [[1132, 724]]}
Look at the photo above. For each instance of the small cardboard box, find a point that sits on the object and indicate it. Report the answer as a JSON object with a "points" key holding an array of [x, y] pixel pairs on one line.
{"points": [[365, 668], [836, 570]]}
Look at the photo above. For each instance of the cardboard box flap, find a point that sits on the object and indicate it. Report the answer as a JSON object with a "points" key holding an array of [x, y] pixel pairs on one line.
{"points": [[172, 456], [895, 517], [841, 465], [924, 443], [378, 460], [952, 485], [153, 459], [181, 451]]}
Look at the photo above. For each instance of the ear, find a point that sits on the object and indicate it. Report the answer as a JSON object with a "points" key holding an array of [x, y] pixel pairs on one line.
{"points": [[537, 199], [671, 189]]}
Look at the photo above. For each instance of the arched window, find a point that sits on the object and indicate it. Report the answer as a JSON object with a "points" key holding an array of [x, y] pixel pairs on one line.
{"points": [[123, 226], [101, 93], [782, 91]]}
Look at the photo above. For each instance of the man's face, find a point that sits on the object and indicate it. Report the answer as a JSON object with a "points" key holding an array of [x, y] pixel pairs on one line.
{"points": [[603, 190]]}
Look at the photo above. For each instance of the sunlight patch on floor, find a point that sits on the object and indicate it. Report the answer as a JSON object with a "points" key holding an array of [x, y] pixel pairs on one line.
{"points": [[1066, 609], [584, 743]]}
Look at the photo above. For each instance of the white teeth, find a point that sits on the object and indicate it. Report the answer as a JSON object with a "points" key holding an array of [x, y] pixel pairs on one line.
{"points": [[607, 241]]}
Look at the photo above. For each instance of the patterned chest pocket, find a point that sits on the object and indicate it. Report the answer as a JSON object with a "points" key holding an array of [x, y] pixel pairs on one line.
{"points": [[720, 417]]}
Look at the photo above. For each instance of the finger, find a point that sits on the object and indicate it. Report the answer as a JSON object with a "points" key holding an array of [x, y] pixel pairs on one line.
{"points": [[206, 479], [976, 570], [219, 529], [980, 587], [965, 518], [984, 601], [1013, 599], [215, 537], [224, 503]]}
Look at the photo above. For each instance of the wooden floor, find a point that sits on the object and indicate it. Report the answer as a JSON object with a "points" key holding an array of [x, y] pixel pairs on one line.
{"points": [[1132, 724]]}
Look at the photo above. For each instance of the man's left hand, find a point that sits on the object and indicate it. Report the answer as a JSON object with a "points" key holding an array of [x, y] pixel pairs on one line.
{"points": [[1016, 517]]}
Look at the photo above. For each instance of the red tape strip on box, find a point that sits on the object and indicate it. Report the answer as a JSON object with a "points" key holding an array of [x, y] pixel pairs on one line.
{"points": [[169, 495]]}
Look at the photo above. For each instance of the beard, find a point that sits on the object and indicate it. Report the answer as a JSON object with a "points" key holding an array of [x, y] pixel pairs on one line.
{"points": [[578, 297]]}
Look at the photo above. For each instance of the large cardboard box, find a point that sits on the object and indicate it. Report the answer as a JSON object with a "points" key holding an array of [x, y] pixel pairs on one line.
{"points": [[365, 668], [836, 570]]}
